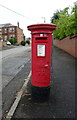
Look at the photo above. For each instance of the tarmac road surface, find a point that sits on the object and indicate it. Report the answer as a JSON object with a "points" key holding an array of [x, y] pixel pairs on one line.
{"points": [[12, 61]]}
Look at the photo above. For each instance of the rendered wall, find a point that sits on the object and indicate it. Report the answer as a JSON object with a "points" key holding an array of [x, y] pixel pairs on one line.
{"points": [[67, 44]]}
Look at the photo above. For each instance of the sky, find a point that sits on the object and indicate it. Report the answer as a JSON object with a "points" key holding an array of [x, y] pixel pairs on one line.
{"points": [[30, 11]]}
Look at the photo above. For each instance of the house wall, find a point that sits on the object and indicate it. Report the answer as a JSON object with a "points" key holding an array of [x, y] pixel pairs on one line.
{"points": [[19, 35], [8, 33], [0, 31], [67, 44]]}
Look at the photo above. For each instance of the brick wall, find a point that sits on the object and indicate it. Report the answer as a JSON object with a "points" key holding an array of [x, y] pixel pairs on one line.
{"points": [[68, 44]]}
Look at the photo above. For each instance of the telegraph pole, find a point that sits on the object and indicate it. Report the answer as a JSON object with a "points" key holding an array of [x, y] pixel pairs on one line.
{"points": [[44, 19]]}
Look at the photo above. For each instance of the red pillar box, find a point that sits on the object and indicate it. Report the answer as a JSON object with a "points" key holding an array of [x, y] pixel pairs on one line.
{"points": [[41, 58]]}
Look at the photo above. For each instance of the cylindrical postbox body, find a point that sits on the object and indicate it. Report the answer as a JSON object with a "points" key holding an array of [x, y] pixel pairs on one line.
{"points": [[41, 54]]}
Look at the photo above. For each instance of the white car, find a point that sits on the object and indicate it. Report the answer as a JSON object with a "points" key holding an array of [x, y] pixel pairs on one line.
{"points": [[8, 43]]}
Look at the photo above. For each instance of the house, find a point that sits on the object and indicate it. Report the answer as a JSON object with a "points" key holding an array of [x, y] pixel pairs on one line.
{"points": [[8, 31], [1, 30]]}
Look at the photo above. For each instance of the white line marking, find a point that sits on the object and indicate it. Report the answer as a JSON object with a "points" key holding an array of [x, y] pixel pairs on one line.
{"points": [[15, 104]]}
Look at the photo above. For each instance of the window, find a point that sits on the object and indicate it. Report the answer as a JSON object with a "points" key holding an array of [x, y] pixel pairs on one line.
{"points": [[5, 38], [0, 30], [12, 36], [5, 30], [11, 29]]}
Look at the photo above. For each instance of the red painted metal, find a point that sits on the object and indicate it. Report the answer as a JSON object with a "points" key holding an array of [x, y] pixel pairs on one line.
{"points": [[41, 53]]}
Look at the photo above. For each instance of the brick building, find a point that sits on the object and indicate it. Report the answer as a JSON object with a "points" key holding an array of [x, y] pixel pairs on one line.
{"points": [[8, 31], [1, 25]]}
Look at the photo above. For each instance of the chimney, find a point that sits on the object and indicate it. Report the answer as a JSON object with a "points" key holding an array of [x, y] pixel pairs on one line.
{"points": [[18, 24]]}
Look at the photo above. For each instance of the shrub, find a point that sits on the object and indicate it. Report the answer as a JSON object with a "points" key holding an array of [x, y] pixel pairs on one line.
{"points": [[28, 42], [23, 43], [12, 41]]}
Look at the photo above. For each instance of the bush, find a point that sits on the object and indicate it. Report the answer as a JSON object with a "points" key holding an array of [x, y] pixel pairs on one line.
{"points": [[12, 41], [23, 43], [28, 42]]}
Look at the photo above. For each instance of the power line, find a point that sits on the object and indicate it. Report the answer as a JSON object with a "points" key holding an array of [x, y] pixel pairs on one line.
{"points": [[17, 13]]}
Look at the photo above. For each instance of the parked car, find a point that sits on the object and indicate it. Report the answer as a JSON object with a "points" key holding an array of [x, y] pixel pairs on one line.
{"points": [[8, 43]]}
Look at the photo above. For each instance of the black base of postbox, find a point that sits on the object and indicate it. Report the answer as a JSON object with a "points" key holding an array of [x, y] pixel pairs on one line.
{"points": [[40, 94]]}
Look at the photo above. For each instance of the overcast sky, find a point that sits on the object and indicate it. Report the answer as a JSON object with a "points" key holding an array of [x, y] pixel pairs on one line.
{"points": [[32, 10]]}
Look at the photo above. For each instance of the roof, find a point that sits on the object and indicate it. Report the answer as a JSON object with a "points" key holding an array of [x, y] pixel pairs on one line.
{"points": [[6, 25]]}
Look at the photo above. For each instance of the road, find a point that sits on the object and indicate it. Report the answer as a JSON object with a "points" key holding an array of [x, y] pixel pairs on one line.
{"points": [[13, 61]]}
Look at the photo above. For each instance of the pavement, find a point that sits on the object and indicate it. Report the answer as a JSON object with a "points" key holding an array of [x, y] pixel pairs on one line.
{"points": [[61, 103]]}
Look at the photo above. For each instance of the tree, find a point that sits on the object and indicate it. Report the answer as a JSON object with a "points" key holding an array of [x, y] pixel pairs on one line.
{"points": [[55, 16], [0, 38], [75, 16], [24, 37], [66, 23]]}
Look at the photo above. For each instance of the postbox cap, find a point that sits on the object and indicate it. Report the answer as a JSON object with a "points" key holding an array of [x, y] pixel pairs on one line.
{"points": [[42, 26]]}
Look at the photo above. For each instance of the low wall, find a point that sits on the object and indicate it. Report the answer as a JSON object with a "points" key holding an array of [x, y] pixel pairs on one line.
{"points": [[68, 44], [2, 44]]}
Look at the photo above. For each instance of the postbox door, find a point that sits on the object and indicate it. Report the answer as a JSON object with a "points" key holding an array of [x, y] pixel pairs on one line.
{"points": [[41, 63]]}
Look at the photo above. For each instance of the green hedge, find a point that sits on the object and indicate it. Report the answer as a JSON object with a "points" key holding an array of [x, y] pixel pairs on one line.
{"points": [[12, 41]]}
